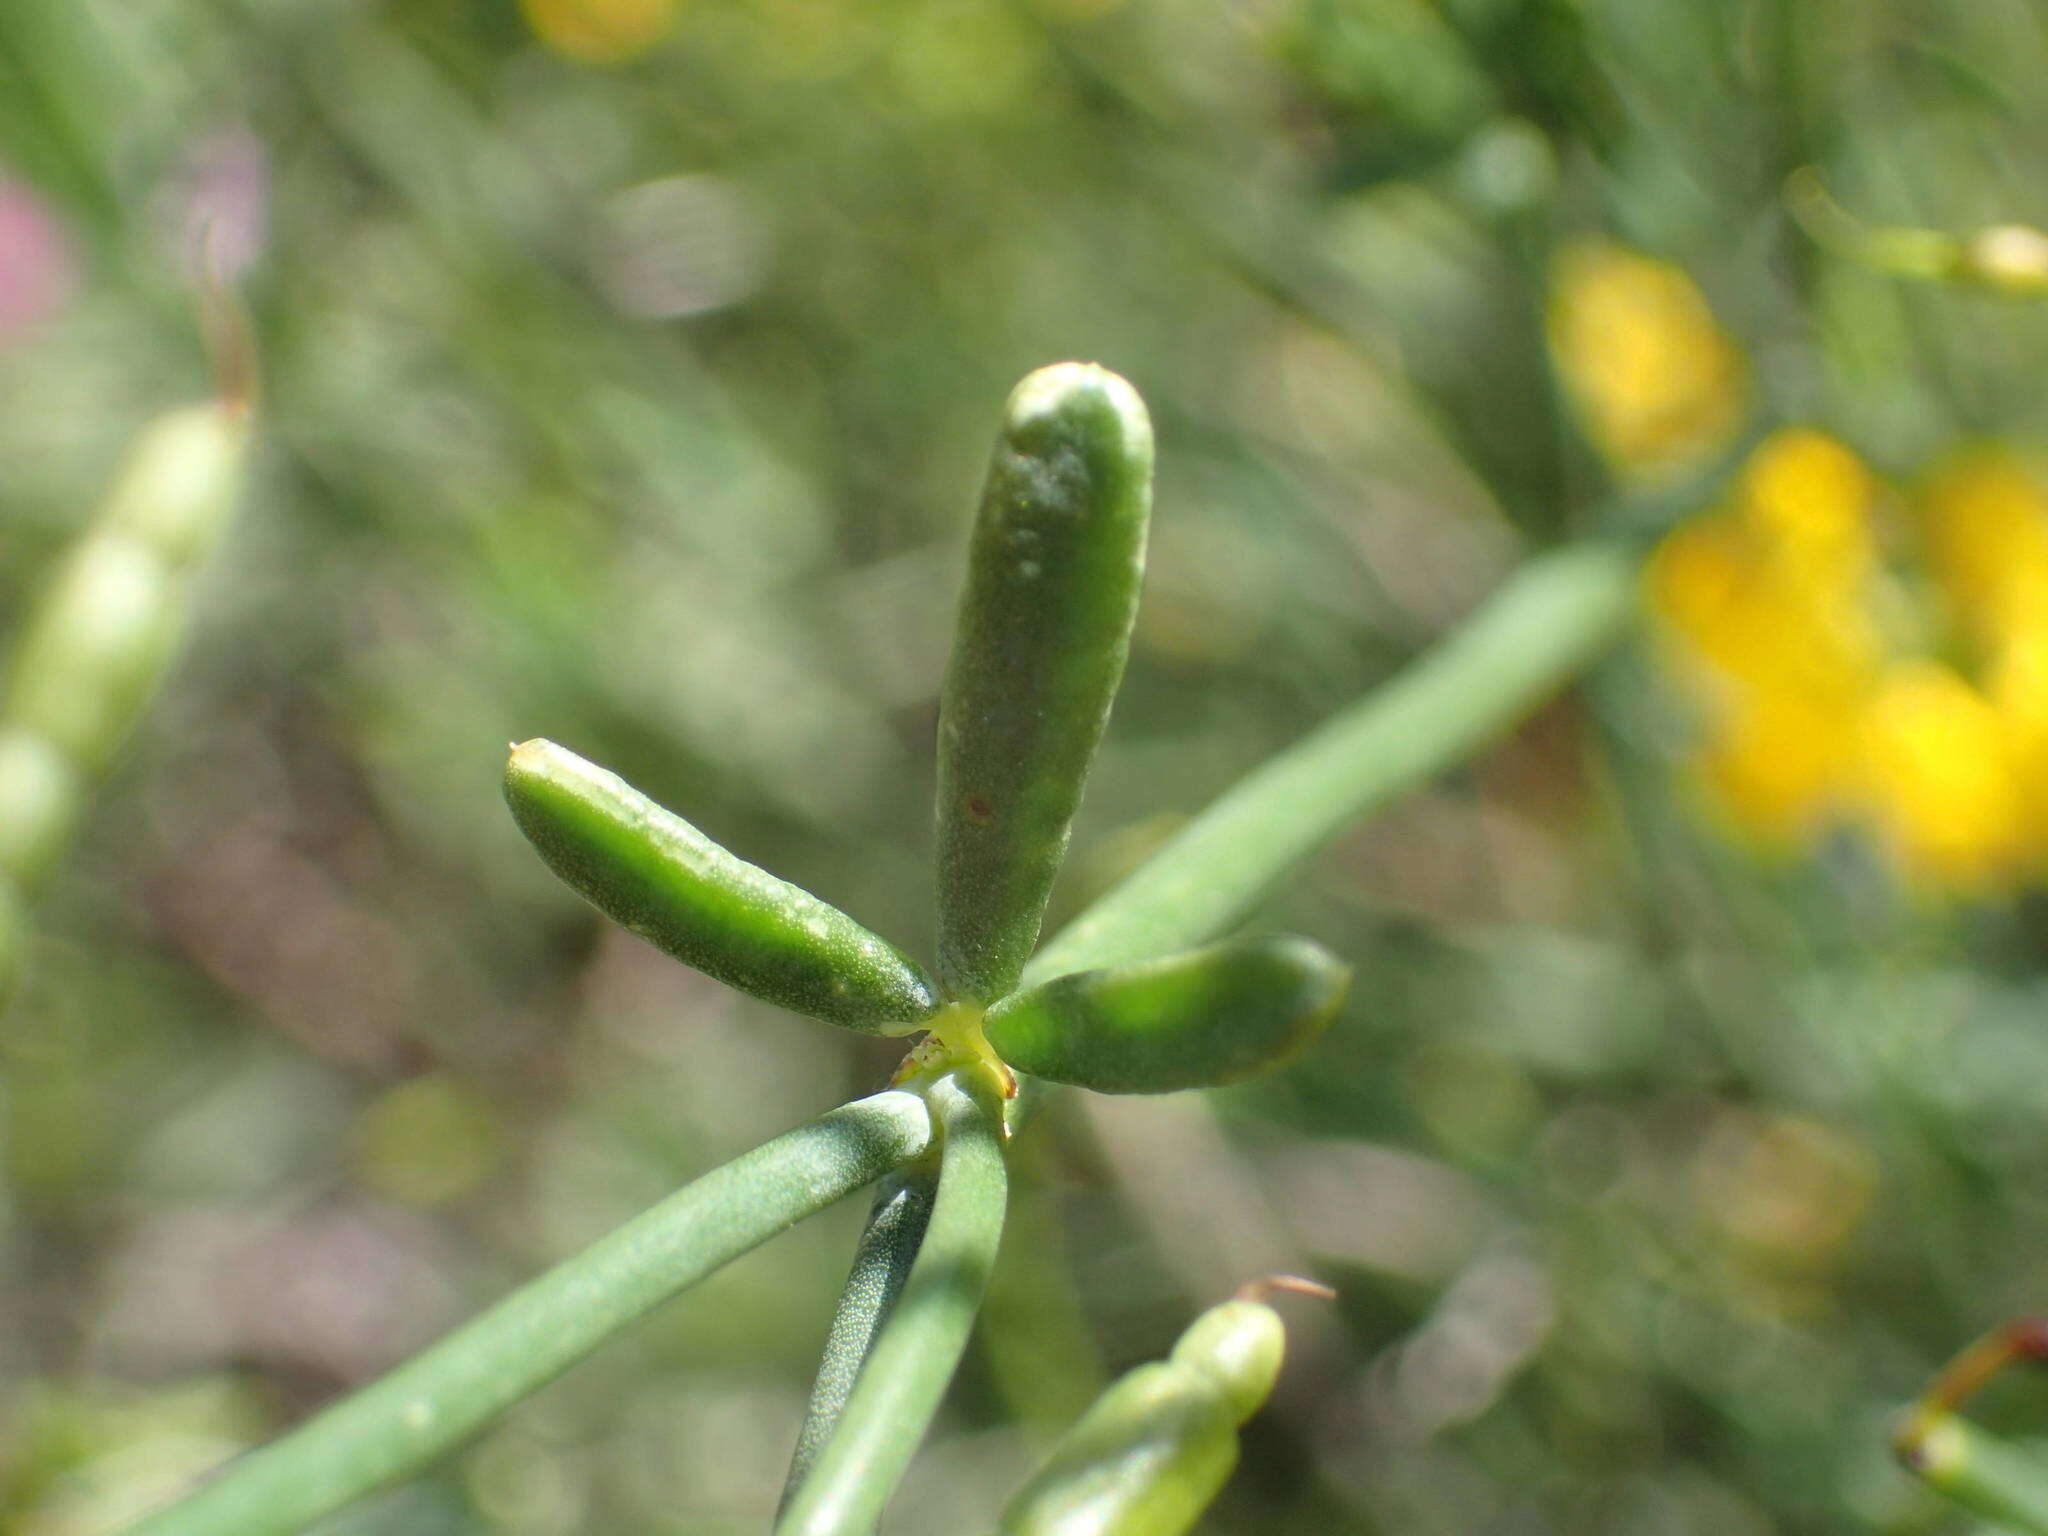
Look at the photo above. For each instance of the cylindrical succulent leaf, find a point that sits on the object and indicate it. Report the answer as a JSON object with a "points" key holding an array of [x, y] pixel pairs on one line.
{"points": [[1152, 1452], [1238, 1345], [92, 652], [1191, 1020], [1145, 1460], [40, 791], [96, 649], [651, 871], [1053, 571]]}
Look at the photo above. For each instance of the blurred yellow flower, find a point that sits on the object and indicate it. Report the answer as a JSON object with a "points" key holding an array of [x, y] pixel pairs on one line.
{"points": [[1938, 780], [1773, 766], [1810, 499], [600, 31], [1758, 622], [1657, 378], [1710, 584], [1984, 515], [2017, 682], [1768, 606]]}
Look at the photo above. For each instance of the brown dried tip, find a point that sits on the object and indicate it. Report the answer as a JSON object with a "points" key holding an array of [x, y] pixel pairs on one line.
{"points": [[1259, 1290], [2029, 1338], [230, 334], [2023, 1339]]}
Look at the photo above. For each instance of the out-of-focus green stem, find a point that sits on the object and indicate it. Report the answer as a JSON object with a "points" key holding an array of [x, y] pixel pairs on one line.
{"points": [[913, 1357], [1551, 618], [881, 1264], [92, 652], [398, 1425], [1982, 1473], [2006, 258]]}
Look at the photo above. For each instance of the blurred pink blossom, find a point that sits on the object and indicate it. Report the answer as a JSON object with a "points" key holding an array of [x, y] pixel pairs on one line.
{"points": [[37, 268], [214, 208]]}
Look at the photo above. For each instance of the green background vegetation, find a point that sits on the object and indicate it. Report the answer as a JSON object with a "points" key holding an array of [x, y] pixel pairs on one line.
{"points": [[642, 406]]}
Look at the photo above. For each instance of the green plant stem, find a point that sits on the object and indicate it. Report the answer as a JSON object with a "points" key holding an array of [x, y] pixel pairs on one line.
{"points": [[1551, 618], [401, 1423], [913, 1357], [881, 1264], [1982, 1473]]}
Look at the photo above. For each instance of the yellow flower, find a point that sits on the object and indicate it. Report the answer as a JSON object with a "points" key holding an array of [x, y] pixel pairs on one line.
{"points": [[1985, 516], [1756, 630], [1810, 500], [1774, 766], [2018, 685], [1700, 584], [1774, 594], [1939, 782], [1655, 375], [1769, 605]]}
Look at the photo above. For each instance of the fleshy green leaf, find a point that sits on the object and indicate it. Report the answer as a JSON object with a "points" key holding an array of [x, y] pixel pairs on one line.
{"points": [[653, 872], [94, 648], [89, 657], [1152, 1452], [1053, 571], [1987, 1476], [1192, 1020], [1146, 1460], [1239, 1345]]}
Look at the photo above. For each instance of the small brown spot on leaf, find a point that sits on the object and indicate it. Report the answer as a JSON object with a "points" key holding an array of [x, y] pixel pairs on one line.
{"points": [[980, 811]]}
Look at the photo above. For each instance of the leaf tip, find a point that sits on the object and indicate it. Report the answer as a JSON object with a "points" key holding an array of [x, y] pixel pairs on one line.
{"points": [[528, 756], [1062, 391]]}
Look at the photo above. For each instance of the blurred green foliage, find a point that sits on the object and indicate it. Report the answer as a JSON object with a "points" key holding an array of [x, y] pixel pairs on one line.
{"points": [[605, 399]]}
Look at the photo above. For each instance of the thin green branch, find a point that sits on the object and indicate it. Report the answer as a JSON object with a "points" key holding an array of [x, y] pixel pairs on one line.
{"points": [[400, 1424], [881, 1264], [900, 1386], [1550, 619]]}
